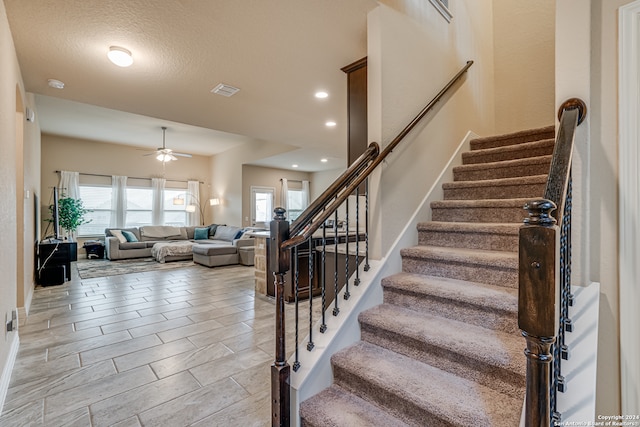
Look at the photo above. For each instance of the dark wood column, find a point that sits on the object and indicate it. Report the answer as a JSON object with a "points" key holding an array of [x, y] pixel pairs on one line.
{"points": [[357, 108]]}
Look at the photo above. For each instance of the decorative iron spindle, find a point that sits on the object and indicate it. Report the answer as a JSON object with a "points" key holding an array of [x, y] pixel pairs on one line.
{"points": [[347, 294], [356, 281], [310, 344], [366, 225], [336, 309], [294, 267], [323, 326]]}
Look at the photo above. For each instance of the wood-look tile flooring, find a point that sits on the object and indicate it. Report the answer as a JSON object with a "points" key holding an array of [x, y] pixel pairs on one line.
{"points": [[190, 346]]}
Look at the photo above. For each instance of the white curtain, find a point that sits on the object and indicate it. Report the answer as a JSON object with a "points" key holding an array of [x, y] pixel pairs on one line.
{"points": [[69, 184], [284, 194], [305, 193], [118, 201], [157, 201], [193, 198]]}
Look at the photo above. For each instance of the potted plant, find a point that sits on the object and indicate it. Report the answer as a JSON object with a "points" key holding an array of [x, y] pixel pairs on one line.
{"points": [[71, 214]]}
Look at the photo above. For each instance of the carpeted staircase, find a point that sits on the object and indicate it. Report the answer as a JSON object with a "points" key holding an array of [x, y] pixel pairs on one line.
{"points": [[444, 348]]}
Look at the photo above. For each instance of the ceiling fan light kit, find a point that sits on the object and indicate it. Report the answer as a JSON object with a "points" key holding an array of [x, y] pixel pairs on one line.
{"points": [[165, 154]]}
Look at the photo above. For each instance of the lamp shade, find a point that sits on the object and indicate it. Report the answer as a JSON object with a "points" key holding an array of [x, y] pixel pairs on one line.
{"points": [[190, 208], [214, 202]]}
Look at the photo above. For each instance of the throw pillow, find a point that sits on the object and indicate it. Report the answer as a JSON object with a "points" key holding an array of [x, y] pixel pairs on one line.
{"points": [[239, 234], [212, 230], [118, 234], [201, 233], [129, 236]]}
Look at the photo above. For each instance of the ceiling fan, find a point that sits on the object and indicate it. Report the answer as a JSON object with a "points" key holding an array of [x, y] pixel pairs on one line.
{"points": [[165, 154]]}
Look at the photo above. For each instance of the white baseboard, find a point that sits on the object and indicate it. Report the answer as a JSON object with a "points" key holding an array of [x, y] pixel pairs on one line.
{"points": [[14, 344]]}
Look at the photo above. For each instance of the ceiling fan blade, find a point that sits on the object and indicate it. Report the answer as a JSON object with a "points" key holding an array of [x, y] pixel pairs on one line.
{"points": [[182, 154]]}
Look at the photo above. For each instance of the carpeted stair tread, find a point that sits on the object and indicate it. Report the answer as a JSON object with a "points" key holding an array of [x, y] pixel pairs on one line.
{"points": [[460, 292], [542, 147], [470, 235], [489, 357], [493, 267], [336, 407], [482, 210], [416, 392], [513, 138], [503, 169], [501, 188]]}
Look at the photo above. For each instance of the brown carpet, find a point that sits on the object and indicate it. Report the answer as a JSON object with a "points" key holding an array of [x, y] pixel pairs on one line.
{"points": [[444, 348]]}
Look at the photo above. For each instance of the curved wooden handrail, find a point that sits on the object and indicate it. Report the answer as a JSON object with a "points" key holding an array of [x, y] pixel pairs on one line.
{"points": [[305, 225], [571, 113]]}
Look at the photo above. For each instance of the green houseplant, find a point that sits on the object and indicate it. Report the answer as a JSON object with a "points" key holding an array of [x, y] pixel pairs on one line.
{"points": [[71, 214]]}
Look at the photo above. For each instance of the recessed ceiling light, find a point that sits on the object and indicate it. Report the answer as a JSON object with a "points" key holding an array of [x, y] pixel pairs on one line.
{"points": [[330, 123], [56, 84], [120, 56], [294, 166], [324, 160], [321, 94]]}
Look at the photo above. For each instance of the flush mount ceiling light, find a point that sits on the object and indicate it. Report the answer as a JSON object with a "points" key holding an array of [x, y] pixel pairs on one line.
{"points": [[294, 166], [56, 84], [120, 56], [324, 160], [330, 124], [321, 94]]}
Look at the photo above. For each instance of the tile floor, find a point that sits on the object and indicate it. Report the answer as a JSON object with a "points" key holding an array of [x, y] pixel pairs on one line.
{"points": [[183, 347]]}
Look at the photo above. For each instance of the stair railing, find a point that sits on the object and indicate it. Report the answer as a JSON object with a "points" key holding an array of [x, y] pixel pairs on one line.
{"points": [[544, 274], [314, 234]]}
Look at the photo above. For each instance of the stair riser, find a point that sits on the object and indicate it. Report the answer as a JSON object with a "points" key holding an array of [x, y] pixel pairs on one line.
{"points": [[495, 192], [460, 173], [489, 274], [499, 379], [475, 315], [469, 240], [471, 157], [478, 214], [483, 143], [401, 408]]}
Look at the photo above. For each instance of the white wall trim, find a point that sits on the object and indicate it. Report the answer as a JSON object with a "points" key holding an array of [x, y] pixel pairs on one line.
{"points": [[8, 367], [629, 204]]}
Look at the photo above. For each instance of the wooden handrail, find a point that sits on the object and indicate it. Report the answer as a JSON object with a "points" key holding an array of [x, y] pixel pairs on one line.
{"points": [[305, 226]]}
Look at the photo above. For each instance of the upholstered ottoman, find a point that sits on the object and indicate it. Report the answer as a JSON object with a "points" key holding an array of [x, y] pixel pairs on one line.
{"points": [[215, 255], [246, 255]]}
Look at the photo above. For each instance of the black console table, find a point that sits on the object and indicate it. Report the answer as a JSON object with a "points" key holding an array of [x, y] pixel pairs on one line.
{"points": [[54, 261]]}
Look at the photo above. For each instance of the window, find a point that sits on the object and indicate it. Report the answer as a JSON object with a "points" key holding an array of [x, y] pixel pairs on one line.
{"points": [[98, 200], [262, 205], [174, 214], [139, 202], [296, 203]]}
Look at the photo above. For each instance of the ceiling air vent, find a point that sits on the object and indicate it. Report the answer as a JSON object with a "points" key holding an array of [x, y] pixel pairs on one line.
{"points": [[225, 90]]}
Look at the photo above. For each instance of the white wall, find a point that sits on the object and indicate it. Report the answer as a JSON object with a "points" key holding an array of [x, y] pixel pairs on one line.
{"points": [[409, 61], [523, 39]]}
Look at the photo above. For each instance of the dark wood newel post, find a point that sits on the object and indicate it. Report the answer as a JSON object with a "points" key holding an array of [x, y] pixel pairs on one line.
{"points": [[280, 370], [538, 300]]}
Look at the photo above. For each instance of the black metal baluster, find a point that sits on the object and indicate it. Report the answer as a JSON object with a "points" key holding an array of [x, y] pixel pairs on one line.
{"points": [[310, 344], [294, 266], [336, 238], [347, 294], [366, 225], [356, 282], [323, 326]]}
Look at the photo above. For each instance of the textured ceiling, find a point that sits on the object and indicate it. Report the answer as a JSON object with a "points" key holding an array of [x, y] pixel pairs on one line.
{"points": [[278, 52]]}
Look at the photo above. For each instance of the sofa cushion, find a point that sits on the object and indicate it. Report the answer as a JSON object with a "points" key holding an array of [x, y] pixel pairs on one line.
{"points": [[118, 235], [162, 232], [134, 230], [226, 232], [201, 233], [129, 236], [133, 245], [211, 250]]}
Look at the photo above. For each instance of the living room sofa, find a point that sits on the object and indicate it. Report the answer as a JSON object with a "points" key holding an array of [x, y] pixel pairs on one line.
{"points": [[219, 243]]}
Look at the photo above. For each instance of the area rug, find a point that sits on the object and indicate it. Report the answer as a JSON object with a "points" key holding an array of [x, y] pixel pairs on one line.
{"points": [[103, 267]]}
